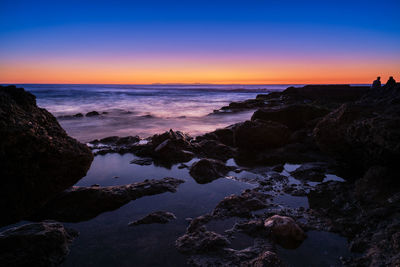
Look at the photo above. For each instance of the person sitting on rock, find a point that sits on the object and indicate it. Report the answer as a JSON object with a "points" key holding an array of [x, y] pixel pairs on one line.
{"points": [[391, 82], [377, 83]]}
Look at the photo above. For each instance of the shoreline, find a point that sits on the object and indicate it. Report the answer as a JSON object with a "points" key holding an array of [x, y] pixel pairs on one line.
{"points": [[293, 126]]}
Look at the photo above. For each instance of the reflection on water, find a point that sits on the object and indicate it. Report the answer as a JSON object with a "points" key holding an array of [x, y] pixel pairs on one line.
{"points": [[108, 241]]}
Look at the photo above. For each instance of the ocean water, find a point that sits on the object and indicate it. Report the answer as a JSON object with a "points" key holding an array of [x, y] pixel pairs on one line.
{"points": [[143, 109]]}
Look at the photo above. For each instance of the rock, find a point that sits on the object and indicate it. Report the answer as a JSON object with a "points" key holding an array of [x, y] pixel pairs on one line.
{"points": [[142, 162], [35, 244], [172, 152], [260, 135], [78, 115], [215, 149], [241, 205], [183, 166], [38, 158], [294, 116], [207, 170], [83, 203], [327, 93], [377, 184], [92, 113], [155, 217], [364, 133], [285, 231], [266, 259], [314, 172], [201, 241]]}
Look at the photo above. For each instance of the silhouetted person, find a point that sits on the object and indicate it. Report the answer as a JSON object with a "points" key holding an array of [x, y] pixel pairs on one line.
{"points": [[377, 83], [391, 82]]}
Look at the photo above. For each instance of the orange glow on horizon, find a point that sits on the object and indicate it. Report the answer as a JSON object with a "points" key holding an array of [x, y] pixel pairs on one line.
{"points": [[195, 71]]}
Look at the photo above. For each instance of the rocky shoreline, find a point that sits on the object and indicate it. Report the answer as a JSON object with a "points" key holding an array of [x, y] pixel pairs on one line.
{"points": [[352, 132]]}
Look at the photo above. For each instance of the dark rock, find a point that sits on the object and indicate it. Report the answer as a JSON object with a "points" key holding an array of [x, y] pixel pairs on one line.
{"points": [[265, 259], [364, 133], [83, 203], [206, 170], [38, 159], [332, 93], [35, 244], [293, 116], [314, 172], [142, 162], [78, 115], [214, 149], [260, 135], [241, 205], [92, 113], [201, 241], [285, 231], [155, 217], [182, 166]]}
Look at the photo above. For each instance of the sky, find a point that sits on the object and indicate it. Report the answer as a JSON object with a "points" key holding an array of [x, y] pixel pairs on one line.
{"points": [[199, 41]]}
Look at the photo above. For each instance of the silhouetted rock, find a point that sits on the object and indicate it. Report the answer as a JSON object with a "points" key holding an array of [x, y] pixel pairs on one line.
{"points": [[363, 133], [38, 159], [293, 116], [260, 135], [325, 93], [36, 244], [83, 203], [92, 113], [206, 170], [78, 115], [155, 217]]}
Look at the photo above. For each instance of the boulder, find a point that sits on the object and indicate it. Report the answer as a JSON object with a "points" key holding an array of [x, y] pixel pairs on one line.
{"points": [[260, 135], [36, 244], [83, 203], [155, 217], [207, 170], [294, 116], [38, 158], [285, 231]]}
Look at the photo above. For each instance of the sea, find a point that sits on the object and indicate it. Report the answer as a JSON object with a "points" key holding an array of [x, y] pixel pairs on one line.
{"points": [[143, 110]]}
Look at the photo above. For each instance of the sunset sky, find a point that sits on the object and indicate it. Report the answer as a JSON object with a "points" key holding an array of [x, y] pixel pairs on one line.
{"points": [[199, 41]]}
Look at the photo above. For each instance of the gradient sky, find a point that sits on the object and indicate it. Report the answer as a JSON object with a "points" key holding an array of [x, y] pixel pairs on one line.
{"points": [[249, 41]]}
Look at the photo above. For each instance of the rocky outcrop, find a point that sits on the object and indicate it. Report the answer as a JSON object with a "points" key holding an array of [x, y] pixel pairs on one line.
{"points": [[207, 170], [260, 135], [364, 133], [83, 203], [38, 159], [327, 93], [37, 244], [155, 217], [293, 116]]}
